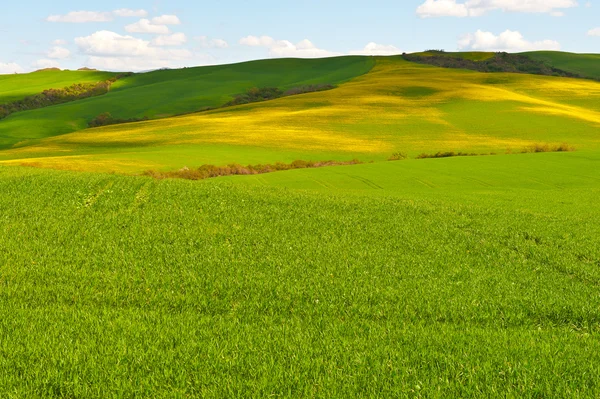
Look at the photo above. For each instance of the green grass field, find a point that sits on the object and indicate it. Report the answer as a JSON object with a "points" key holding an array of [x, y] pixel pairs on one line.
{"points": [[397, 106], [421, 278], [584, 64], [17, 86], [169, 92]]}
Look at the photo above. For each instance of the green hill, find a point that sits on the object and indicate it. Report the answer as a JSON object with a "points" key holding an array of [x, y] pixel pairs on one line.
{"points": [[169, 92], [584, 64], [17, 86], [398, 106], [445, 278]]}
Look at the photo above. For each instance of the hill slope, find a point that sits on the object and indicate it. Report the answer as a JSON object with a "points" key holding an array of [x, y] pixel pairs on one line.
{"points": [[584, 64], [17, 86], [169, 92], [397, 106]]}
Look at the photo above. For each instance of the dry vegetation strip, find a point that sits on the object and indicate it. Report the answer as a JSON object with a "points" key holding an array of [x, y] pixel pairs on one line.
{"points": [[564, 147], [208, 171]]}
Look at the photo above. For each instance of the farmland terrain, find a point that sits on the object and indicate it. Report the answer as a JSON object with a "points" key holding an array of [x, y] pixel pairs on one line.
{"points": [[462, 276]]}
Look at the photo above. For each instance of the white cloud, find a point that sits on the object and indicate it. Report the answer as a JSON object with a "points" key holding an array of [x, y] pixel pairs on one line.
{"points": [[285, 48], [205, 42], [126, 12], [474, 8], [109, 50], [509, 41], [59, 42], [442, 8], [145, 26], [11, 67], [254, 41], [95, 16], [377, 49], [166, 20], [45, 63], [58, 53], [78, 17], [594, 32], [176, 39]]}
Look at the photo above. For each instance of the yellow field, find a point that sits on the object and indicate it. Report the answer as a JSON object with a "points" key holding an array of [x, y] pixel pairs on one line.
{"points": [[398, 106]]}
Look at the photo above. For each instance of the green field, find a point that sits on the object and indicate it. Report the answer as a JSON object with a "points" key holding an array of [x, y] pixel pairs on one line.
{"points": [[426, 278], [170, 92], [584, 64], [397, 106], [17, 86]]}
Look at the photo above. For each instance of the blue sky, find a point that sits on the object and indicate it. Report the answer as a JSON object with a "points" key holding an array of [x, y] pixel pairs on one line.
{"points": [[143, 35]]}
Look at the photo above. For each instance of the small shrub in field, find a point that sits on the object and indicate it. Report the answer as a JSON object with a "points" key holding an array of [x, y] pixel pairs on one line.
{"points": [[257, 94], [564, 147], [397, 156], [447, 154], [208, 171]]}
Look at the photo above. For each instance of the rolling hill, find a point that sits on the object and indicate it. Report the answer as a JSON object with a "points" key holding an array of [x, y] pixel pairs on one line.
{"points": [[584, 64], [465, 276], [169, 92], [397, 106]]}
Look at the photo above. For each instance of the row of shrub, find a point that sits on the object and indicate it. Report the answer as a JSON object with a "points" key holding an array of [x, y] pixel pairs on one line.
{"points": [[538, 147], [208, 171], [500, 62], [257, 94], [50, 97], [564, 147], [106, 119]]}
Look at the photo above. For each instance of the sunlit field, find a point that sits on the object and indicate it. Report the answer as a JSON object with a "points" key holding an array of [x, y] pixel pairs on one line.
{"points": [[397, 106], [465, 276]]}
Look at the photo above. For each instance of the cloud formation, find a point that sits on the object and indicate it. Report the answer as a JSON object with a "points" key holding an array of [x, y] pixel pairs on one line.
{"points": [[285, 48], [79, 17], [205, 42], [45, 63], [377, 49], [176, 39], [9, 68], [58, 53], [475, 8], [166, 20], [594, 32], [509, 41], [112, 51], [146, 26]]}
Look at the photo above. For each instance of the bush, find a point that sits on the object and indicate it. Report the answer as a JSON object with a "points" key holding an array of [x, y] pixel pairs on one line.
{"points": [[398, 156], [500, 62], [209, 171], [564, 147], [106, 119], [256, 94]]}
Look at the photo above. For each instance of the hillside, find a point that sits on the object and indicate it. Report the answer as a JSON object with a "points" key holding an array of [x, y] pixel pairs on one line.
{"points": [[458, 277], [584, 64], [18, 86], [168, 92], [397, 106]]}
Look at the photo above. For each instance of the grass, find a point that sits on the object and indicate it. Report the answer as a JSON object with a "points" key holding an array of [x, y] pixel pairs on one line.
{"points": [[584, 64], [18, 86], [437, 278], [457, 277]]}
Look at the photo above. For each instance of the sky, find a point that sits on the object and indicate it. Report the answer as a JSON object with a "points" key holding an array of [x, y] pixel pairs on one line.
{"points": [[144, 35]]}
